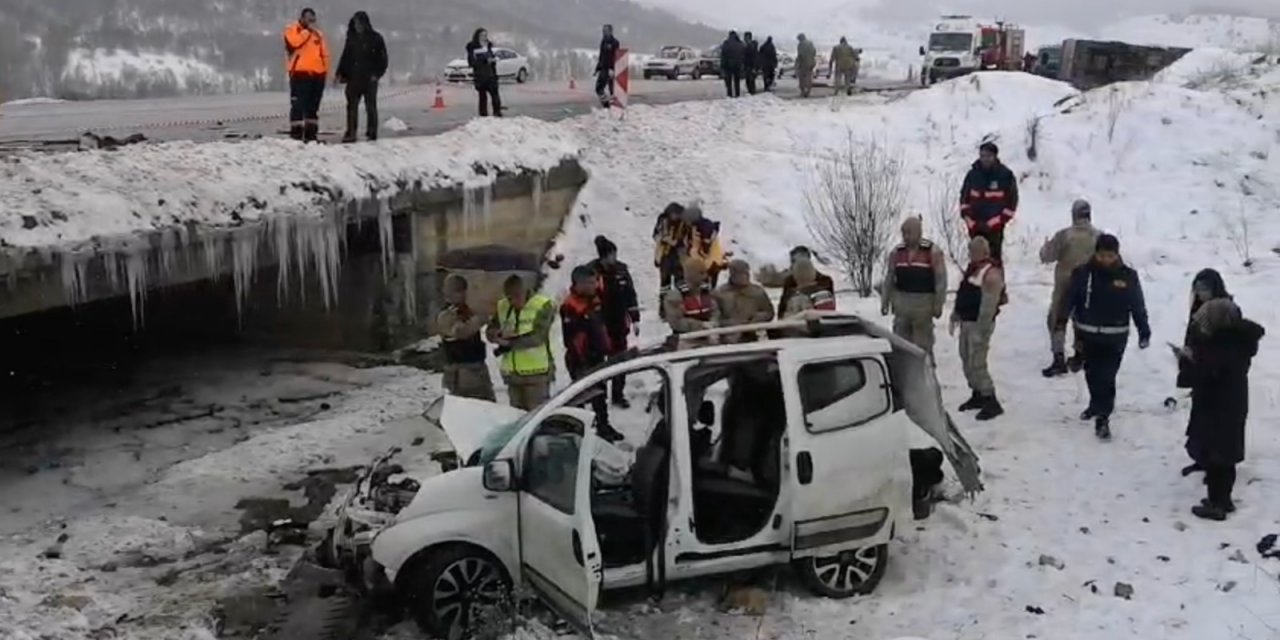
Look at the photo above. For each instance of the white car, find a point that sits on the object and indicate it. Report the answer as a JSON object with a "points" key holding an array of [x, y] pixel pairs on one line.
{"points": [[511, 66], [811, 468], [673, 62]]}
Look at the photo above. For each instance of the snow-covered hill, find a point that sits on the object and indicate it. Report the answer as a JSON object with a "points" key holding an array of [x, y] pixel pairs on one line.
{"points": [[1182, 168], [1238, 33]]}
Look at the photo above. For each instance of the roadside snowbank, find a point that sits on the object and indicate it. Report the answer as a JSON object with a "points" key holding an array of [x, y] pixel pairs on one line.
{"points": [[1205, 65], [1239, 33], [59, 201]]}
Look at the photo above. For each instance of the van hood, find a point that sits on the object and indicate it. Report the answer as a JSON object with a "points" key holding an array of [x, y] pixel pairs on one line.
{"points": [[466, 421]]}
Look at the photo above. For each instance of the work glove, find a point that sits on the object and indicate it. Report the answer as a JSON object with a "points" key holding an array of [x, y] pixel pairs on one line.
{"points": [[1144, 342]]}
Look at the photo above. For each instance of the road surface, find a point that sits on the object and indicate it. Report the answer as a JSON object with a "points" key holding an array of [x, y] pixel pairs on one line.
{"points": [[238, 116]]}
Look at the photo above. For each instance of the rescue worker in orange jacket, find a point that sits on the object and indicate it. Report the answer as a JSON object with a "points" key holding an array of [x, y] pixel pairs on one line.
{"points": [[669, 237], [308, 68], [702, 242], [586, 341], [989, 198]]}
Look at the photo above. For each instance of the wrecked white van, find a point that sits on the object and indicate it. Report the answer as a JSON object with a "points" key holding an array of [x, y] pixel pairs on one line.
{"points": [[788, 448]]}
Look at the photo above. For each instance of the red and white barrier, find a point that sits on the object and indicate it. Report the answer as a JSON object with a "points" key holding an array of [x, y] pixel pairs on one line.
{"points": [[621, 78]]}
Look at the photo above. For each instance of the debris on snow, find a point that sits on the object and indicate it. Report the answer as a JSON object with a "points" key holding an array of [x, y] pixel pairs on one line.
{"points": [[395, 124], [1034, 609], [1179, 526], [1124, 591], [1239, 556], [747, 600], [1050, 561]]}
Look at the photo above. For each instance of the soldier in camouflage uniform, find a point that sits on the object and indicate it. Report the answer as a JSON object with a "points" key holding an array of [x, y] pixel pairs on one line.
{"points": [[465, 372], [915, 286], [977, 304], [741, 301], [1067, 249]]}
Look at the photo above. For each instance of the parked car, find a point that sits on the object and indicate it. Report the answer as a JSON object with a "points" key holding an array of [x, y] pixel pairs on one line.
{"points": [[786, 64], [709, 61], [672, 62], [511, 66], [818, 409]]}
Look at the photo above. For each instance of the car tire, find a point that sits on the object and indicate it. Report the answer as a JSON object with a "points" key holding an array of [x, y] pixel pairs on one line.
{"points": [[452, 586], [522, 76], [674, 75], [696, 74], [856, 572], [648, 76]]}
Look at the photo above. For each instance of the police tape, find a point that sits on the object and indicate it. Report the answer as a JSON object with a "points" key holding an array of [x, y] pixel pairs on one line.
{"points": [[329, 108]]}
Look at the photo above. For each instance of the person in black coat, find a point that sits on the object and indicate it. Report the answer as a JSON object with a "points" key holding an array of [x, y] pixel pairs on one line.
{"points": [[733, 57], [1207, 285], [1216, 361], [769, 63], [361, 67], [989, 198], [1104, 295], [751, 62], [618, 305], [484, 72], [609, 46]]}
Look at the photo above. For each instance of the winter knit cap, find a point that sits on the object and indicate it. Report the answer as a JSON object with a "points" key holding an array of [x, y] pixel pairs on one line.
{"points": [[1081, 209], [800, 251], [605, 247], [1211, 279], [583, 273], [738, 265], [1216, 314], [990, 146], [1108, 242]]}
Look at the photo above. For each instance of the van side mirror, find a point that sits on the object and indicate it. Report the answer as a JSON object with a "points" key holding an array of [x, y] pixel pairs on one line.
{"points": [[499, 476]]}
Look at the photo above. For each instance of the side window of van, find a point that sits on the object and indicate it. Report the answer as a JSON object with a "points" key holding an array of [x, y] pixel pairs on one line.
{"points": [[843, 393], [551, 466]]}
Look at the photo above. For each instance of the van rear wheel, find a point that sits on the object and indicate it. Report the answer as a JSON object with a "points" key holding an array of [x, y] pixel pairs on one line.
{"points": [[855, 572]]}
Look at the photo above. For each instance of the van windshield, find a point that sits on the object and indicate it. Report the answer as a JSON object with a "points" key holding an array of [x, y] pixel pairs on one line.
{"points": [[496, 441], [951, 42], [669, 54]]}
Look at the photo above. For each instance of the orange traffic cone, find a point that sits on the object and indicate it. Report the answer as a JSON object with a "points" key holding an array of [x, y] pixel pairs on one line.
{"points": [[439, 103]]}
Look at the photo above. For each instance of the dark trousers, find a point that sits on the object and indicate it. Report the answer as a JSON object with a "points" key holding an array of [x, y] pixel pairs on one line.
{"points": [[751, 81], [770, 76], [994, 238], [367, 90], [1102, 359], [732, 82], [1220, 479], [487, 91], [305, 94], [604, 82], [618, 341]]}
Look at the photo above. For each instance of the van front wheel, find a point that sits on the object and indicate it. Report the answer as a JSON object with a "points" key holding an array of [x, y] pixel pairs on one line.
{"points": [[456, 590], [855, 572]]}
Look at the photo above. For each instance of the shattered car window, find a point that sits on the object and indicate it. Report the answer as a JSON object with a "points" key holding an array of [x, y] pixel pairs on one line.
{"points": [[496, 441]]}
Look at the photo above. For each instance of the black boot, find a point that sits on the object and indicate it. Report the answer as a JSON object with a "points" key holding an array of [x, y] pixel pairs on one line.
{"points": [[1058, 368], [1209, 512], [1229, 506], [310, 132], [296, 131], [1088, 414], [1191, 468], [608, 433], [621, 403], [974, 402], [1102, 428], [991, 409], [1075, 363]]}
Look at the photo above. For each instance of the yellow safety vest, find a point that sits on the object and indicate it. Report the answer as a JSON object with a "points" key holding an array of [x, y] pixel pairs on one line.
{"points": [[533, 361]]}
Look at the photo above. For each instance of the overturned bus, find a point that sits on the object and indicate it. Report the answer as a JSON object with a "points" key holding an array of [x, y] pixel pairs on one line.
{"points": [[1088, 64]]}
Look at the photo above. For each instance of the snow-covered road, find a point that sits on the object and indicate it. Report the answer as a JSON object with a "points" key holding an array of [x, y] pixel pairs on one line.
{"points": [[1185, 176]]}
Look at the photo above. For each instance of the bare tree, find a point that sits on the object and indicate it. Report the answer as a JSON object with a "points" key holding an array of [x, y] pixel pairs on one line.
{"points": [[945, 225], [854, 201]]}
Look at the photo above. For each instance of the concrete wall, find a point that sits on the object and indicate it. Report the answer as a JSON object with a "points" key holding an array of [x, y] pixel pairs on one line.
{"points": [[375, 309]]}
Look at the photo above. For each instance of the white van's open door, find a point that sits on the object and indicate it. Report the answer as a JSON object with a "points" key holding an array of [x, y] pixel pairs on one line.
{"points": [[560, 554], [847, 448]]}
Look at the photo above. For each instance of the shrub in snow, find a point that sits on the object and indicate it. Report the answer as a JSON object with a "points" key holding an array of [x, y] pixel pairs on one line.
{"points": [[852, 205], [945, 226]]}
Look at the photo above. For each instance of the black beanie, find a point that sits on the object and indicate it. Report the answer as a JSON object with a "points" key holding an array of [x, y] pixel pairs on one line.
{"points": [[990, 146], [605, 246], [1108, 242]]}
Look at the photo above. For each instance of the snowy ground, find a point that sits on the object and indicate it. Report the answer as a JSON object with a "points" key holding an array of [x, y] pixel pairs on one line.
{"points": [[1173, 170]]}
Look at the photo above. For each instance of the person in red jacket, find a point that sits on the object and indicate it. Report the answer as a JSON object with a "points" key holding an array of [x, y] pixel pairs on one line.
{"points": [[989, 198], [586, 341], [619, 306]]}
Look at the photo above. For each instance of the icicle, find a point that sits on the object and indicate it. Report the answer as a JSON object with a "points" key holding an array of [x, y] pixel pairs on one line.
{"points": [[486, 208], [212, 255], [468, 209], [281, 227], [539, 187], [387, 239], [167, 260], [299, 230], [322, 243], [74, 268], [135, 273], [244, 256], [111, 265], [408, 274]]}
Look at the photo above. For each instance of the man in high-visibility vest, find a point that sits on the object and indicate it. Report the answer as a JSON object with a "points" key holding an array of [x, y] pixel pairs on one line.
{"points": [[308, 68], [521, 327]]}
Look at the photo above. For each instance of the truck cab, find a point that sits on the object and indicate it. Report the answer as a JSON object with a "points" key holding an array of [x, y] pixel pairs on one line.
{"points": [[791, 447], [954, 49]]}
